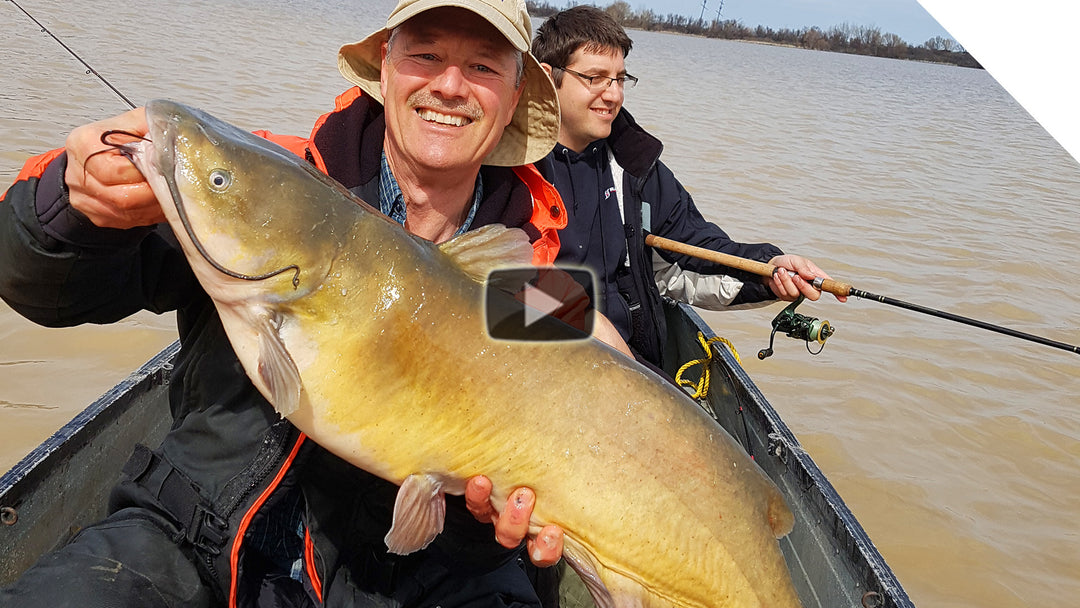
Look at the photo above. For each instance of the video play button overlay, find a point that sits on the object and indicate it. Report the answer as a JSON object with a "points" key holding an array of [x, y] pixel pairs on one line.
{"points": [[538, 304]]}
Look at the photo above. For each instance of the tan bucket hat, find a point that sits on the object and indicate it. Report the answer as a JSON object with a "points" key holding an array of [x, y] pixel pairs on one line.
{"points": [[535, 127]]}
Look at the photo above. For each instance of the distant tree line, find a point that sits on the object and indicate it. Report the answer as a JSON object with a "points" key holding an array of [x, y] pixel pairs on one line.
{"points": [[845, 38]]}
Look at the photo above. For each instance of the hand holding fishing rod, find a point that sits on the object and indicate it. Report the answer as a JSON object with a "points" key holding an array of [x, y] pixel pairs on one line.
{"points": [[793, 277], [841, 289]]}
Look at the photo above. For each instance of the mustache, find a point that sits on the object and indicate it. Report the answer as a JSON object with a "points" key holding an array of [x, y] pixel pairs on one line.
{"points": [[424, 99]]}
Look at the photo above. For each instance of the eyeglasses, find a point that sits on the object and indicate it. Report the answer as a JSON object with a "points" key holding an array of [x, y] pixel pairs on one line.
{"points": [[601, 83]]}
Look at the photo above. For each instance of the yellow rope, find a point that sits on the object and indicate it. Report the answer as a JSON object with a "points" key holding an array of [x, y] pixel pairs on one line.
{"points": [[701, 387]]}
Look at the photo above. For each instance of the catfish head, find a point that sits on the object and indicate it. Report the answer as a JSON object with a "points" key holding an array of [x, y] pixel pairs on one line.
{"points": [[261, 228], [245, 210]]}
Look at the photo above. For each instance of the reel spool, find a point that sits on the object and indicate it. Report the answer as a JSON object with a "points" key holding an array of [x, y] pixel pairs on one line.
{"points": [[799, 327]]}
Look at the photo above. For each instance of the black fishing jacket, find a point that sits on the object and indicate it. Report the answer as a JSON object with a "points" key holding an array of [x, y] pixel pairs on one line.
{"points": [[203, 519], [654, 202]]}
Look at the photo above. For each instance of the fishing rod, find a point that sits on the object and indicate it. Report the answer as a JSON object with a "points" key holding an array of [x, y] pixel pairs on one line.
{"points": [[837, 288], [89, 70]]}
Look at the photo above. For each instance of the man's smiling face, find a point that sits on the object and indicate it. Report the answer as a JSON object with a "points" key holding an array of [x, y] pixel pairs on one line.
{"points": [[587, 114], [450, 82]]}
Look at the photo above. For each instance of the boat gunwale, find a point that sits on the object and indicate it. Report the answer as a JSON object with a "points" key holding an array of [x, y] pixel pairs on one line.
{"points": [[784, 450]]}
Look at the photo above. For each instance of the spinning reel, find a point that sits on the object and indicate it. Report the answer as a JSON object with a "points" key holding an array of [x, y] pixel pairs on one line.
{"points": [[800, 327]]}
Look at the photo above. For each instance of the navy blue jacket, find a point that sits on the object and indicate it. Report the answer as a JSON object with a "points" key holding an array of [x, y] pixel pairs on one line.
{"points": [[613, 247]]}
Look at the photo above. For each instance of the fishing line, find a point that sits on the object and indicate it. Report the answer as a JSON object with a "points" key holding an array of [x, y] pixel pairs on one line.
{"points": [[89, 70], [176, 195]]}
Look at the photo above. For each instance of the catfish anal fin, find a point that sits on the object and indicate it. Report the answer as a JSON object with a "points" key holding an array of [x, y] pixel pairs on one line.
{"points": [[585, 569]]}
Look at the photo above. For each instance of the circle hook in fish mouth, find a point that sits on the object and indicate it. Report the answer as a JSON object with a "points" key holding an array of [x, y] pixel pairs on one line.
{"points": [[114, 146], [107, 134], [126, 151]]}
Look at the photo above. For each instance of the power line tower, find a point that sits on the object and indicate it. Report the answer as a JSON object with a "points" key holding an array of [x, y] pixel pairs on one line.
{"points": [[718, 9], [701, 18]]}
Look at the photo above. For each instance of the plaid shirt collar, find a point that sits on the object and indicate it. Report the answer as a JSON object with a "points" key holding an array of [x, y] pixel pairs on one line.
{"points": [[392, 201]]}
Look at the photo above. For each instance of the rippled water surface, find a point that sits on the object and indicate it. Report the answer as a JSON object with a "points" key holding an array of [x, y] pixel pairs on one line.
{"points": [[958, 449]]}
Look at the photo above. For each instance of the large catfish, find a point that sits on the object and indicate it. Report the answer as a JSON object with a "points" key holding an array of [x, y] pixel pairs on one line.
{"points": [[373, 342]]}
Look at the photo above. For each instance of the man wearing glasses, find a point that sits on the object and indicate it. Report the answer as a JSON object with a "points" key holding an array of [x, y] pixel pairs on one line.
{"points": [[608, 171]]}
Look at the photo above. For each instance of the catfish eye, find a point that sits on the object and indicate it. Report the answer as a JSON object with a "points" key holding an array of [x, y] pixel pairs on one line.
{"points": [[220, 180]]}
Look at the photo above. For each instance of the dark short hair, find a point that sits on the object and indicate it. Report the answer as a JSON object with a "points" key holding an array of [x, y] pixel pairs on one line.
{"points": [[580, 27]]}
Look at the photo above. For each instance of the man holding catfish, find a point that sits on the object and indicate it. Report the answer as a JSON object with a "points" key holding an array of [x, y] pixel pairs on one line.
{"points": [[236, 505]]}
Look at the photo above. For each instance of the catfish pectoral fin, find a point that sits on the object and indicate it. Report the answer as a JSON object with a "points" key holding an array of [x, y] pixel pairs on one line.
{"points": [[277, 368], [419, 513]]}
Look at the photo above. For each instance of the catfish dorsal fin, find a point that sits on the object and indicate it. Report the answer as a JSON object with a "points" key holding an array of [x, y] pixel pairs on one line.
{"points": [[480, 251]]}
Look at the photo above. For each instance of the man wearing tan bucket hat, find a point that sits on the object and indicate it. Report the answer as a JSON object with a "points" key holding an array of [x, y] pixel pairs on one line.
{"points": [[534, 126], [235, 507]]}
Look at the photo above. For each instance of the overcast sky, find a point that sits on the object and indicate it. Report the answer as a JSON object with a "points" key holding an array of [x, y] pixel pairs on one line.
{"points": [[905, 18]]}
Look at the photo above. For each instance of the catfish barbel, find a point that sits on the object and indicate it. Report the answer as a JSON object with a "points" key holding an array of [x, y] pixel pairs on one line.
{"points": [[372, 341]]}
